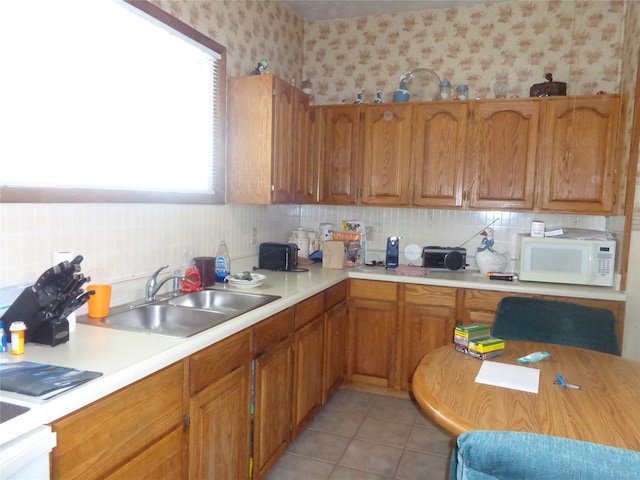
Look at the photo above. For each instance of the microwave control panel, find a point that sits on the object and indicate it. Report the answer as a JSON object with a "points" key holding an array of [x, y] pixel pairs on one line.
{"points": [[606, 260]]}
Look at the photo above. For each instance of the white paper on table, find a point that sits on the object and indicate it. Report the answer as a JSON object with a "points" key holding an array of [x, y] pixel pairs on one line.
{"points": [[509, 376]]}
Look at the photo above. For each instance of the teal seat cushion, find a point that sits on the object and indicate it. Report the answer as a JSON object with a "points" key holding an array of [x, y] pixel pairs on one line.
{"points": [[494, 455], [564, 323]]}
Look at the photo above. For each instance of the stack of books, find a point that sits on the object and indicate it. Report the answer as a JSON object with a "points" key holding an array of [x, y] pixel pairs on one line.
{"points": [[476, 341]]}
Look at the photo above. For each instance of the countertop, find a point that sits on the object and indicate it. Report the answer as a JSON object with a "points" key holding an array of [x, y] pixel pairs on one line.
{"points": [[125, 357]]}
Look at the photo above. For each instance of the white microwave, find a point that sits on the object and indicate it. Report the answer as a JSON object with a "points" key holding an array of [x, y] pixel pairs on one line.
{"points": [[567, 260]]}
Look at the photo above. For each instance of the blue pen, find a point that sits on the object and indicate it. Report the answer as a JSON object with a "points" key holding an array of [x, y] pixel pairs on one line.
{"points": [[560, 381]]}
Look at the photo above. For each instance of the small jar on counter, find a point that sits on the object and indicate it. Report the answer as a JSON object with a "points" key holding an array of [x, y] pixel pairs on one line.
{"points": [[445, 90], [462, 92]]}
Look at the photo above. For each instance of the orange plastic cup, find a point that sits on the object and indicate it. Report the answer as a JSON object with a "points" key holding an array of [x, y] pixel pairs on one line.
{"points": [[99, 302]]}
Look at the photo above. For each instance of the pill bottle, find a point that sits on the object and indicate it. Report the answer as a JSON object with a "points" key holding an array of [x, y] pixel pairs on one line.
{"points": [[17, 330]]}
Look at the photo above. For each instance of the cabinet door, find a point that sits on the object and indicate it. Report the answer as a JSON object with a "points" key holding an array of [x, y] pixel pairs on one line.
{"points": [[161, 460], [386, 154], [335, 351], [371, 336], [273, 406], [307, 374], [283, 141], [249, 139], [220, 428], [438, 153], [502, 154], [424, 329], [428, 321], [305, 171], [579, 157], [340, 154], [114, 431]]}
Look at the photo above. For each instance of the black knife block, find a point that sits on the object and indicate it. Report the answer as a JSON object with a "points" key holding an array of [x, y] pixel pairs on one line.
{"points": [[28, 309], [51, 332]]}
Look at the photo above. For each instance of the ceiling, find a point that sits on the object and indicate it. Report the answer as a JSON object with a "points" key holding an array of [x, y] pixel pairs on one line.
{"points": [[313, 10]]}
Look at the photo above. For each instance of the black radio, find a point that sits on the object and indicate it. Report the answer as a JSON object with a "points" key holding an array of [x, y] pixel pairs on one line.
{"points": [[444, 258]]}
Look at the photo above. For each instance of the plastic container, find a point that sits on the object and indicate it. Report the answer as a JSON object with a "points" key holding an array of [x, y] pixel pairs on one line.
{"points": [[17, 330], [3, 338], [462, 92], [223, 264], [445, 90]]}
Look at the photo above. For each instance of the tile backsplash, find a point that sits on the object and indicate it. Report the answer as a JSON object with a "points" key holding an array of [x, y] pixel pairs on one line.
{"points": [[449, 228], [124, 242]]}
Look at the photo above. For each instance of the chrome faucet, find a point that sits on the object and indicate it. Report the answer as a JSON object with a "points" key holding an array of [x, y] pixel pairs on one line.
{"points": [[153, 285]]}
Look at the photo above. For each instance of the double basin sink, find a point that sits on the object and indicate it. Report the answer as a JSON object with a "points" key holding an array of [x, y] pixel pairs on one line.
{"points": [[183, 315]]}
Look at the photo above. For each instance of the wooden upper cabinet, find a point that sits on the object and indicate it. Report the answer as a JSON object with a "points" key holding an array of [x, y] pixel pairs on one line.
{"points": [[438, 151], [501, 169], [386, 154], [341, 154], [262, 140], [579, 156], [305, 166]]}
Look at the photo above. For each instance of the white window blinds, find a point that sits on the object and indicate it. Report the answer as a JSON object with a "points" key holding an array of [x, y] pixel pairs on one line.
{"points": [[97, 94]]}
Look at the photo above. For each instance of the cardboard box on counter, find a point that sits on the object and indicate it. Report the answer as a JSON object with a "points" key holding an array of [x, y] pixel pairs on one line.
{"points": [[333, 254]]}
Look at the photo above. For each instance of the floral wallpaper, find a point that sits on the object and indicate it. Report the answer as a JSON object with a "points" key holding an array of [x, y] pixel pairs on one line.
{"points": [[250, 30], [579, 42], [591, 45]]}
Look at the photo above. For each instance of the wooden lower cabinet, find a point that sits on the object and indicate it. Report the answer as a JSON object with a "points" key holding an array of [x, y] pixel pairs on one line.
{"points": [[373, 318], [428, 321], [136, 432], [220, 409], [308, 361], [273, 377], [336, 328]]}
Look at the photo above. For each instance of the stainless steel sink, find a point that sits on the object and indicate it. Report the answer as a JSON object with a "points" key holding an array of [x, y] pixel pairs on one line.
{"points": [[181, 316], [221, 300]]}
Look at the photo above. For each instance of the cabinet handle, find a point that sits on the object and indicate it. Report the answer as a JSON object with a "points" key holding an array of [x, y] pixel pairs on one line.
{"points": [[358, 193], [186, 421]]}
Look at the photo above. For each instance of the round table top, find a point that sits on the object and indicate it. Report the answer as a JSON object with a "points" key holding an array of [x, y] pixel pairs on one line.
{"points": [[606, 410]]}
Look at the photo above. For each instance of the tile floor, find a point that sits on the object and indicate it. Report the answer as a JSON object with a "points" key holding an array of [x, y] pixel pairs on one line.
{"points": [[367, 436]]}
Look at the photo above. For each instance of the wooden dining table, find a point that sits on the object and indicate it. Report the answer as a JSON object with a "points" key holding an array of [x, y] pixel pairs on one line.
{"points": [[605, 410]]}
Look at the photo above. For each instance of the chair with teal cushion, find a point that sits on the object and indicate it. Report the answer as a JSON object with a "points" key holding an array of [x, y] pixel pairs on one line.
{"points": [[495, 455], [564, 323]]}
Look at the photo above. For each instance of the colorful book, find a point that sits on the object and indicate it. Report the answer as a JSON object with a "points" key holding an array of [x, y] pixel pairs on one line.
{"points": [[41, 380], [464, 333], [486, 345], [478, 355]]}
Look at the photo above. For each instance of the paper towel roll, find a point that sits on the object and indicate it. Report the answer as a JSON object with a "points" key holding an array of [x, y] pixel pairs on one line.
{"points": [[59, 257], [56, 258]]}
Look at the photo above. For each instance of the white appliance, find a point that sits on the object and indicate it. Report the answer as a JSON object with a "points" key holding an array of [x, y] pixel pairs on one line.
{"points": [[567, 260]]}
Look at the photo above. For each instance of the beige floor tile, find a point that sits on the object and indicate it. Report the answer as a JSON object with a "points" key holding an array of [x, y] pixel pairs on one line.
{"points": [[344, 473], [384, 431], [350, 401], [430, 440], [422, 466], [395, 409], [319, 445], [371, 457], [337, 422], [294, 467]]}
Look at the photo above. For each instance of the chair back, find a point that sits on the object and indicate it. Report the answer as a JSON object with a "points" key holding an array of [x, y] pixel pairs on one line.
{"points": [[495, 455], [549, 321]]}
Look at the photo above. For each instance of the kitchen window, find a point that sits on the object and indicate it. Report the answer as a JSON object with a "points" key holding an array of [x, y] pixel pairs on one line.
{"points": [[109, 101]]}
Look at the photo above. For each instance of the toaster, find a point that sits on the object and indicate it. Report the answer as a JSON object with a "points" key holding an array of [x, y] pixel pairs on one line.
{"points": [[278, 256]]}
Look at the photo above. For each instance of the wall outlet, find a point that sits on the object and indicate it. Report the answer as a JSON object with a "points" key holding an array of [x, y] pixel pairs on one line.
{"points": [[370, 233], [254, 236]]}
